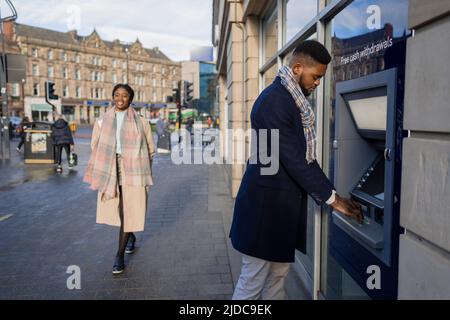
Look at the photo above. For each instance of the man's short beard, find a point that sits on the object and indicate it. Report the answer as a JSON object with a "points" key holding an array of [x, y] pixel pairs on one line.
{"points": [[305, 91]]}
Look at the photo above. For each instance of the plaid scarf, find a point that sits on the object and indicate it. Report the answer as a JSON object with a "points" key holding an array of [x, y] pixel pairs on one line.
{"points": [[101, 171], [306, 112]]}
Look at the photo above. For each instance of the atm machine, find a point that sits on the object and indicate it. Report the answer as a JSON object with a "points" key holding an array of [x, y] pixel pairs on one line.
{"points": [[367, 170]]}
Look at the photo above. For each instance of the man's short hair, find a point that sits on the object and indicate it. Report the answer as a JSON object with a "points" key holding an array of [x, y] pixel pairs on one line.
{"points": [[312, 49]]}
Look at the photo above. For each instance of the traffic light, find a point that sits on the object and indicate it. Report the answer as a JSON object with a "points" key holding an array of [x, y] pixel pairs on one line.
{"points": [[176, 95], [188, 92], [50, 91]]}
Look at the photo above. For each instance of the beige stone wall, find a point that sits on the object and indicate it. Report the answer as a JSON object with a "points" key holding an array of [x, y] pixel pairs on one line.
{"points": [[239, 84]]}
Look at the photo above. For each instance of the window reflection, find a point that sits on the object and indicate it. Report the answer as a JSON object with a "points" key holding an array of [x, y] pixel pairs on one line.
{"points": [[270, 31], [270, 75], [298, 14]]}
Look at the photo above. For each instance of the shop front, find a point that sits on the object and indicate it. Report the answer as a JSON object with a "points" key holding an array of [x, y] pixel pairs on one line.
{"points": [[95, 109]]}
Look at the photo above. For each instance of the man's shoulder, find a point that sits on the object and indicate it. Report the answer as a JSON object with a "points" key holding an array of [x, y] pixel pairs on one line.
{"points": [[274, 98]]}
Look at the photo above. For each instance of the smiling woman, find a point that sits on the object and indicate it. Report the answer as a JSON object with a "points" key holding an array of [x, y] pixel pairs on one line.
{"points": [[120, 169]]}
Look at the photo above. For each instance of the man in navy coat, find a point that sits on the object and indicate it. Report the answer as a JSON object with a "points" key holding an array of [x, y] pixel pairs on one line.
{"points": [[269, 220]]}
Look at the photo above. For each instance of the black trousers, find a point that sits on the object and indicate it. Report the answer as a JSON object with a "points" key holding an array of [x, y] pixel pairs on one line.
{"points": [[59, 149], [22, 140]]}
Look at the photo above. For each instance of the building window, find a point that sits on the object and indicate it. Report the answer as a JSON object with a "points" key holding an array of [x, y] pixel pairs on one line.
{"points": [[78, 74], [34, 52], [15, 90], [50, 72], [114, 63], [174, 71], [65, 91], [114, 78], [154, 96], [124, 65], [154, 82], [77, 58], [64, 73], [35, 70], [174, 84], [96, 112], [64, 56], [136, 79], [78, 92], [36, 89], [270, 75], [124, 78], [298, 15], [163, 70], [270, 36], [163, 83], [50, 54], [154, 69]]}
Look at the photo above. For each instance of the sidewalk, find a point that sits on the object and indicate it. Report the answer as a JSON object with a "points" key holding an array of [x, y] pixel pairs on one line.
{"points": [[49, 224]]}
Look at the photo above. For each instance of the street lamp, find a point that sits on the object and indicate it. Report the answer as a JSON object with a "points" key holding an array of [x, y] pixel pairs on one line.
{"points": [[23, 94], [127, 54]]}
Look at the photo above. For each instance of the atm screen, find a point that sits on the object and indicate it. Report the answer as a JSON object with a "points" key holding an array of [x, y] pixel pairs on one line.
{"points": [[369, 110], [374, 184]]}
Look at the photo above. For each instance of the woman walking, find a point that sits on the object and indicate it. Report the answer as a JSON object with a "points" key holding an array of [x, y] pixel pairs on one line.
{"points": [[120, 169]]}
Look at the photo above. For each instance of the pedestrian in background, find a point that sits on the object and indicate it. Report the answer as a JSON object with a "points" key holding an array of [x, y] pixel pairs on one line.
{"points": [[20, 130], [163, 145], [120, 169], [62, 139]]}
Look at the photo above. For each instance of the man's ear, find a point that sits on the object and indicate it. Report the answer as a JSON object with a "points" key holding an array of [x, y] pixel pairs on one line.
{"points": [[297, 69]]}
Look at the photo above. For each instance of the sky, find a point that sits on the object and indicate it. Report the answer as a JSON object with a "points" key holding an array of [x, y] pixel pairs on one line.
{"points": [[174, 26]]}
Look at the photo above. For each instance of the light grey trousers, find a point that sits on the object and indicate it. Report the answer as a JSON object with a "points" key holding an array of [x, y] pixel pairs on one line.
{"points": [[261, 279]]}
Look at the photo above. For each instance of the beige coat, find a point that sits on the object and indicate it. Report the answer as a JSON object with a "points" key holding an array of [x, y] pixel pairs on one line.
{"points": [[134, 198]]}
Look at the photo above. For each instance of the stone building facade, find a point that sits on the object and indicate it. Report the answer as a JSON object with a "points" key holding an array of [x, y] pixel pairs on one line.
{"points": [[85, 69]]}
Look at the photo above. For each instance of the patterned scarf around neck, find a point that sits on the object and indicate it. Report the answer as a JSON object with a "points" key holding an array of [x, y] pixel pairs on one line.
{"points": [[306, 112], [101, 171]]}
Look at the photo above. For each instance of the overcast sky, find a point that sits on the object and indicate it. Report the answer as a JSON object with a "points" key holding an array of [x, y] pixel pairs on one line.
{"points": [[175, 26]]}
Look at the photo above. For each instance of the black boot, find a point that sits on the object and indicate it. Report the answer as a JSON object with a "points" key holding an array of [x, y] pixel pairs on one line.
{"points": [[130, 245], [119, 265]]}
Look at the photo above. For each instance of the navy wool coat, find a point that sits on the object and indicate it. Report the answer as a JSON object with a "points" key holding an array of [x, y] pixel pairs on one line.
{"points": [[61, 133], [269, 220]]}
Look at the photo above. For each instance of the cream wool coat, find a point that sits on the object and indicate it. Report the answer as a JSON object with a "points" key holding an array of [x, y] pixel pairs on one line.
{"points": [[134, 198]]}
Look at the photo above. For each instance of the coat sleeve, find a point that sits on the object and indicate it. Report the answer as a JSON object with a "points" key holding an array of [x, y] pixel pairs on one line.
{"points": [[276, 114]]}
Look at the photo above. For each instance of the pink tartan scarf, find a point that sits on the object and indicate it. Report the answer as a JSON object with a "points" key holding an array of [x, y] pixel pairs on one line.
{"points": [[101, 171]]}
